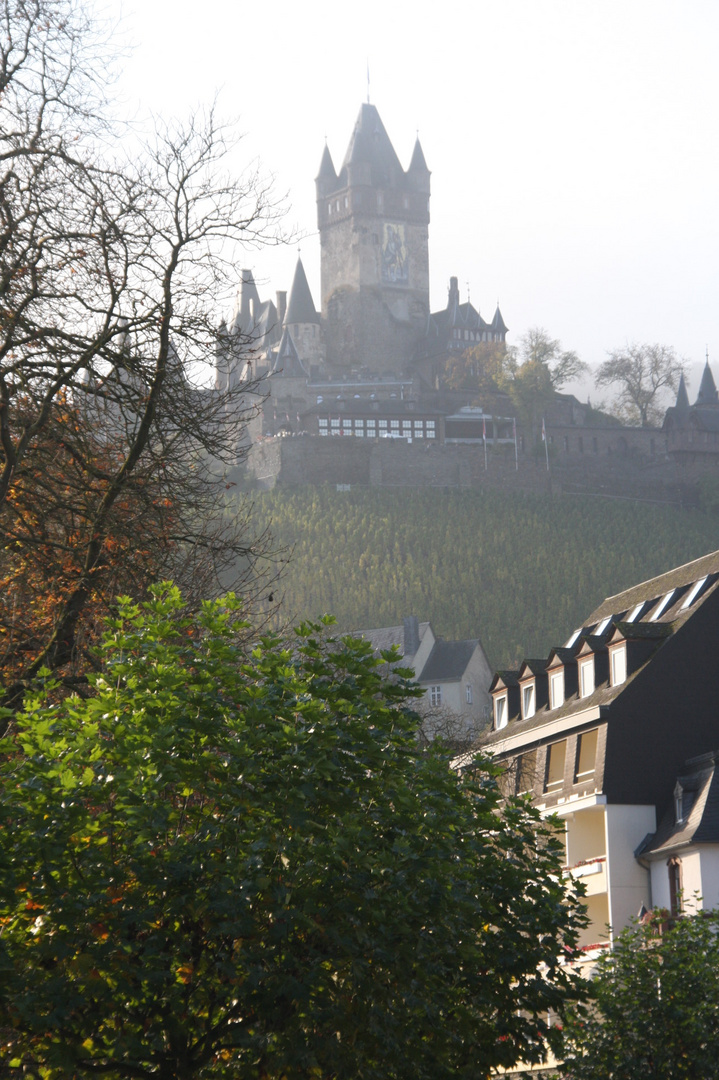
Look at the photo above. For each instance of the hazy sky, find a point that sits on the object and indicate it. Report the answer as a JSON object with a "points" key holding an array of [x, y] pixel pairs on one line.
{"points": [[573, 145]]}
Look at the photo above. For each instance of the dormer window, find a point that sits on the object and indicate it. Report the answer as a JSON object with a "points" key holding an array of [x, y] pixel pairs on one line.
{"points": [[618, 660], [635, 613], [694, 592], [586, 677], [662, 606], [500, 712], [529, 701], [556, 689], [603, 625], [573, 638]]}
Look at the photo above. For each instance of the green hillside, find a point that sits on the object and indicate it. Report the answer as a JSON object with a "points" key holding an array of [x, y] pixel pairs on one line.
{"points": [[518, 572]]}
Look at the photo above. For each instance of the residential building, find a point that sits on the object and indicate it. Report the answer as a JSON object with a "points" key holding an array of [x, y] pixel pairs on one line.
{"points": [[455, 677], [599, 732]]}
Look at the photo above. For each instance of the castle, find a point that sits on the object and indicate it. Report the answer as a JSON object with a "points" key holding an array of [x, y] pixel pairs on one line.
{"points": [[375, 335], [369, 364]]}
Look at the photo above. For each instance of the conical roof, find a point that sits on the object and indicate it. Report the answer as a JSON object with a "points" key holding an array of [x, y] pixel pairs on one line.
{"points": [[498, 325], [682, 402], [707, 389], [418, 163], [370, 144], [300, 306], [288, 361], [327, 169]]}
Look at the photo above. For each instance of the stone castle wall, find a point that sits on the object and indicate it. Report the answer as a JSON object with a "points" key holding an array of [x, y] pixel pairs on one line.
{"points": [[306, 459]]}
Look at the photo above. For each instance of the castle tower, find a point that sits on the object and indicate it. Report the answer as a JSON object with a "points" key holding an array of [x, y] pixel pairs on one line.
{"points": [[373, 221], [302, 321]]}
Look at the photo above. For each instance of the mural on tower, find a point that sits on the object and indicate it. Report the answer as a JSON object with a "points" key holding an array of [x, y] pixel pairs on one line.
{"points": [[395, 264]]}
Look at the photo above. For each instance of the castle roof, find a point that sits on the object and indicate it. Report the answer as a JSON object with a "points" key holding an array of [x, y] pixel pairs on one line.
{"points": [[707, 389], [248, 303], [370, 144], [418, 162], [327, 169], [682, 402], [287, 362], [300, 306], [498, 325]]}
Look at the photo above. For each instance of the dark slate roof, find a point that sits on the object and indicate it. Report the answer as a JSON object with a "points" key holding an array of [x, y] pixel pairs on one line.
{"points": [[509, 676], [564, 655], [707, 390], [287, 362], [448, 660], [370, 144], [654, 588], [535, 667], [679, 581], [418, 163], [682, 402], [498, 325], [699, 780], [300, 306], [386, 636], [327, 169]]}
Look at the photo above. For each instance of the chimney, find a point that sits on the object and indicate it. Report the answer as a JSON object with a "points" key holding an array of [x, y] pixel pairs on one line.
{"points": [[281, 306], [411, 635]]}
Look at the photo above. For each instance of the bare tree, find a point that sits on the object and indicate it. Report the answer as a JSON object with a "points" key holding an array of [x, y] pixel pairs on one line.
{"points": [[112, 443], [641, 374]]}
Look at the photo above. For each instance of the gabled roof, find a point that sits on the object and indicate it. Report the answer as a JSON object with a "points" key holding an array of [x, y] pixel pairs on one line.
{"points": [[300, 305], [698, 783], [506, 677], [248, 300], [447, 661], [386, 636], [668, 601], [532, 667]]}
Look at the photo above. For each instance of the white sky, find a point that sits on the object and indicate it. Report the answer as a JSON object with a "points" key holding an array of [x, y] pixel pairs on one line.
{"points": [[573, 144]]}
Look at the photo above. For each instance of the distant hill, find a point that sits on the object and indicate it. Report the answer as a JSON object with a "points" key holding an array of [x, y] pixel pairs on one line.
{"points": [[518, 571]]}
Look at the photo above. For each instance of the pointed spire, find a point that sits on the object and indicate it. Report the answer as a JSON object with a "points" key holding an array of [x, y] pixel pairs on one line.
{"points": [[370, 145], [327, 169], [288, 361], [418, 163], [300, 306], [498, 325], [707, 389], [682, 402]]}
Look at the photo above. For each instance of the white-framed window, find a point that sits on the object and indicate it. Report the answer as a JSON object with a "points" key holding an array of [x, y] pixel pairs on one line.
{"points": [[394, 425], [346, 423], [618, 662], [382, 425], [556, 689], [407, 426], [528, 701], [500, 711], [586, 677], [322, 422], [556, 756], [693, 593], [371, 427], [468, 693], [335, 423], [635, 613], [418, 428], [435, 695]]}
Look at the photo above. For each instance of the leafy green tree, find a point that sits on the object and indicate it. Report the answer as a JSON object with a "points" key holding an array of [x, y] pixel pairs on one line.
{"points": [[479, 368], [230, 865], [536, 371], [642, 375], [656, 997]]}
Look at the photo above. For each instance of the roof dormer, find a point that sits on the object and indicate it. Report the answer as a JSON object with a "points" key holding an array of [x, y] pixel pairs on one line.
{"points": [[504, 690], [561, 676], [533, 687], [592, 665]]}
